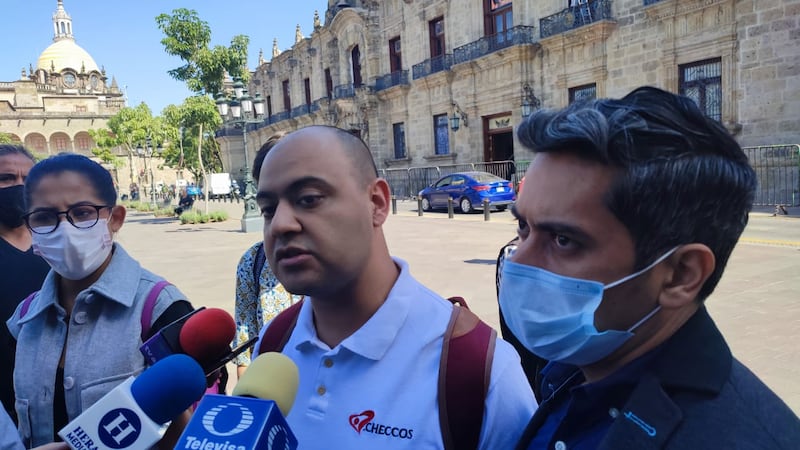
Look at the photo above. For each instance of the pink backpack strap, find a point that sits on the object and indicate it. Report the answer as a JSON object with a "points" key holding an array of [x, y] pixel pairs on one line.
{"points": [[465, 370], [149, 306], [26, 304], [280, 330]]}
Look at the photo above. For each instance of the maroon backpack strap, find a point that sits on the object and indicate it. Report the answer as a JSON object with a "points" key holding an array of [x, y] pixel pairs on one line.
{"points": [[465, 371], [279, 330], [26, 304], [149, 306]]}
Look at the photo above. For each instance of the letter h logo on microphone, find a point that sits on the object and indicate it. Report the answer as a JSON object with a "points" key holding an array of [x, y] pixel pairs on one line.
{"points": [[119, 428]]}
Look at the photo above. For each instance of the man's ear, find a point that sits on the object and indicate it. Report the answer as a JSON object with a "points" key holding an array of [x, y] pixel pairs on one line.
{"points": [[117, 218], [688, 269], [380, 197]]}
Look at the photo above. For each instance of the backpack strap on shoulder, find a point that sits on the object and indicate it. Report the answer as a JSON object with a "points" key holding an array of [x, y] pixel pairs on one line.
{"points": [[26, 304], [465, 371], [279, 330], [149, 306]]}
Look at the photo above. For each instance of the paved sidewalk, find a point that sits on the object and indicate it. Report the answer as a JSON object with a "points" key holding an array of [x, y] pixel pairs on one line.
{"points": [[756, 304]]}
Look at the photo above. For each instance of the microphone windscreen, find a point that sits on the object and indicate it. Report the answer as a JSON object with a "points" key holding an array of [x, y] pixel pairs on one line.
{"points": [[271, 376], [169, 387], [207, 335]]}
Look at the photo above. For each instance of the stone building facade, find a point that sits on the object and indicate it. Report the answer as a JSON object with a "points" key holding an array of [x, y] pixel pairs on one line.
{"points": [[397, 72], [52, 106]]}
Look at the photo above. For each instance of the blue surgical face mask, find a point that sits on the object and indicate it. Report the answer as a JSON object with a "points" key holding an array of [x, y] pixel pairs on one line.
{"points": [[553, 315]]}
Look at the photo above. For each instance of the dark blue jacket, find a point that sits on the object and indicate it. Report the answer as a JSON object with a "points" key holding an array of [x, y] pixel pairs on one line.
{"points": [[694, 395]]}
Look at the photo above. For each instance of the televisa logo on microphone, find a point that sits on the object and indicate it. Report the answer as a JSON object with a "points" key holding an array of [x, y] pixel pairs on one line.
{"points": [[237, 423]]}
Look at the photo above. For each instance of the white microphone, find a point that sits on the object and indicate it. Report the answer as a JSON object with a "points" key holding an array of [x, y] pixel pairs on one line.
{"points": [[132, 415], [254, 417]]}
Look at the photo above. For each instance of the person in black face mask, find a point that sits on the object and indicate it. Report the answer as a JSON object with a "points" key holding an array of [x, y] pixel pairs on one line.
{"points": [[21, 272]]}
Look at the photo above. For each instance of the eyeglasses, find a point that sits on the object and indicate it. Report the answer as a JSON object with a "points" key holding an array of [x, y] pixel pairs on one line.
{"points": [[45, 221]]}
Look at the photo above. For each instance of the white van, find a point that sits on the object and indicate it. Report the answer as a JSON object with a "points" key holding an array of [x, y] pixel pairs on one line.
{"points": [[219, 185]]}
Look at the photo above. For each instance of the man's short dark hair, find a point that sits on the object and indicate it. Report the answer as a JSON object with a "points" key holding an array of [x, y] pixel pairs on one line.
{"points": [[15, 149], [682, 177], [262, 153]]}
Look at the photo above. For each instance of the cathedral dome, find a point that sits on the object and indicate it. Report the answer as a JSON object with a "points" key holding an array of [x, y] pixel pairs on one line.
{"points": [[64, 54]]}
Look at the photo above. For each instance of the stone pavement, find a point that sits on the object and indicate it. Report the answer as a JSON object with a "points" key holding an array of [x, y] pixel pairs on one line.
{"points": [[756, 304]]}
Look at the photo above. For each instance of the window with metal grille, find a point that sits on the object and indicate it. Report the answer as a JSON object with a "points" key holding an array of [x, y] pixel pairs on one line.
{"points": [[60, 143], [441, 135], [399, 133], [702, 82], [82, 143], [583, 93]]}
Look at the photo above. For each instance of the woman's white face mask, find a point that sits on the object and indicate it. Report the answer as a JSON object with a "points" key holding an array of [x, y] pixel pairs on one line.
{"points": [[74, 253]]}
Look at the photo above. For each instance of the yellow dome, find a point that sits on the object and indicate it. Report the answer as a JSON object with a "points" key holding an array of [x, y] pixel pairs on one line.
{"points": [[65, 53]]}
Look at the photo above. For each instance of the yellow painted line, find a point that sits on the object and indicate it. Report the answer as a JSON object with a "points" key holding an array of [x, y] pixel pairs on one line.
{"points": [[770, 242]]}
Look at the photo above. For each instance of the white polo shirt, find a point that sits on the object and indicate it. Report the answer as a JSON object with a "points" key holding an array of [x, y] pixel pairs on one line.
{"points": [[378, 387]]}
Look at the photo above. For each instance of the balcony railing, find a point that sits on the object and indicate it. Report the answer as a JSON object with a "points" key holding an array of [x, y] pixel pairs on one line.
{"points": [[344, 91], [575, 17], [391, 80], [300, 110], [277, 117], [513, 36], [433, 65]]}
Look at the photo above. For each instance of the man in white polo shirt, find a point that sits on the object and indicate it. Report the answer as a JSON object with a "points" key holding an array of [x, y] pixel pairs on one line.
{"points": [[369, 337]]}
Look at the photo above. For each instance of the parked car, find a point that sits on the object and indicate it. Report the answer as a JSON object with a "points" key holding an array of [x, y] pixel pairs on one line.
{"points": [[468, 190]]}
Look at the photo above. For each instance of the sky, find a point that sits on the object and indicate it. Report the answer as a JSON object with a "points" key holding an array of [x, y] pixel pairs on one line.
{"points": [[123, 37]]}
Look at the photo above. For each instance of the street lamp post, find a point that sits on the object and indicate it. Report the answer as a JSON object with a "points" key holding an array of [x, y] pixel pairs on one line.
{"points": [[147, 153], [239, 112]]}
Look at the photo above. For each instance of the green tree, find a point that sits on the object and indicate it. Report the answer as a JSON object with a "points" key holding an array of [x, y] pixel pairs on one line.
{"points": [[181, 152], [5, 138], [131, 127], [105, 142], [188, 37]]}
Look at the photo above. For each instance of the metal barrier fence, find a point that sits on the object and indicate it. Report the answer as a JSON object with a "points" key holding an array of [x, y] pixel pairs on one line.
{"points": [[778, 171], [777, 168], [406, 183]]}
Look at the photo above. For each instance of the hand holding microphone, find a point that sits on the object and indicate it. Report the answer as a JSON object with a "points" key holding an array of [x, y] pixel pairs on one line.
{"points": [[253, 417], [132, 415]]}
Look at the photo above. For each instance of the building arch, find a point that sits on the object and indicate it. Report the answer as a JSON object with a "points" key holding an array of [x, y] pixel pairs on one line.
{"points": [[36, 142], [60, 142], [83, 143]]}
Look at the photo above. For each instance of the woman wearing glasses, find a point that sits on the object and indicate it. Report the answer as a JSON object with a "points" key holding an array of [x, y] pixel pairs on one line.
{"points": [[79, 336]]}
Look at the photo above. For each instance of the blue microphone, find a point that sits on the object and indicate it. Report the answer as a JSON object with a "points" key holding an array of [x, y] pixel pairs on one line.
{"points": [[133, 415], [253, 418]]}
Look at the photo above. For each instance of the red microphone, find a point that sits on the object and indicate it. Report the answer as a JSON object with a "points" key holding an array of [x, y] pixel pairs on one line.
{"points": [[207, 336]]}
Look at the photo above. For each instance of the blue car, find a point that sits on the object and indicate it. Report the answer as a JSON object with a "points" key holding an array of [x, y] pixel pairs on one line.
{"points": [[468, 190]]}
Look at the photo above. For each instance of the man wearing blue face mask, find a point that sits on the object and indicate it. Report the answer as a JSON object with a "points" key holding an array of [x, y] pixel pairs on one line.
{"points": [[21, 272], [630, 210]]}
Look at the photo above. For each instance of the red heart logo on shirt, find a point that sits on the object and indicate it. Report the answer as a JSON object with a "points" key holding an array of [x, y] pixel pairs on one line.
{"points": [[359, 421]]}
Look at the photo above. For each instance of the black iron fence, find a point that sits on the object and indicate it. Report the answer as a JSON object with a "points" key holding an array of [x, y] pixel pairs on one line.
{"points": [[391, 79], [778, 170], [344, 91], [583, 13], [433, 65], [513, 36]]}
